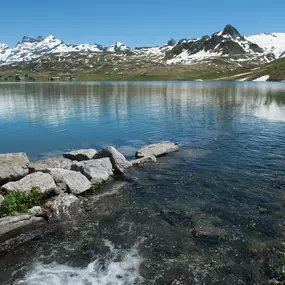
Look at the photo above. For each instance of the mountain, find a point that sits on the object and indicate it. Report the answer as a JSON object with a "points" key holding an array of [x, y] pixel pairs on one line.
{"points": [[274, 42], [222, 52], [226, 43], [31, 48]]}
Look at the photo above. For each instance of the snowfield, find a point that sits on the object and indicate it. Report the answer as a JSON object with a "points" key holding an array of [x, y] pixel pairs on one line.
{"points": [[274, 42]]}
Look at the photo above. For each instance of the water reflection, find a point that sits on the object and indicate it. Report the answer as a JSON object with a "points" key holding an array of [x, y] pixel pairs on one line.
{"points": [[120, 108]]}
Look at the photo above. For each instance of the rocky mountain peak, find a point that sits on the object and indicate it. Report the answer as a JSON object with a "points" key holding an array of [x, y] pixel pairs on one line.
{"points": [[232, 31], [32, 40]]}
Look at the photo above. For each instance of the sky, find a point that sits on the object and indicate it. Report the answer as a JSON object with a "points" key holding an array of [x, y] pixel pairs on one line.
{"points": [[136, 23]]}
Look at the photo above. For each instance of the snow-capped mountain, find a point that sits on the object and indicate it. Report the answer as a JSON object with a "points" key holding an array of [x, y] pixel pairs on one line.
{"points": [[228, 42], [274, 42], [31, 48], [117, 47]]}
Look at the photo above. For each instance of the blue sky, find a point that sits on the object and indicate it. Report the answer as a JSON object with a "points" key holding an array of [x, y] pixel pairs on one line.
{"points": [[137, 23]]}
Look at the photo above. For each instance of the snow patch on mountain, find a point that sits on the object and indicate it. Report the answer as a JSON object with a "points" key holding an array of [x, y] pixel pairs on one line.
{"points": [[117, 47], [185, 58], [271, 42]]}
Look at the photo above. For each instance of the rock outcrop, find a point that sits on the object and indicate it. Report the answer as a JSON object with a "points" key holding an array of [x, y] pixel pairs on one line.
{"points": [[96, 170], [43, 181], [13, 166], [53, 162], [63, 206], [70, 181], [119, 162], [157, 149], [13, 226], [81, 154]]}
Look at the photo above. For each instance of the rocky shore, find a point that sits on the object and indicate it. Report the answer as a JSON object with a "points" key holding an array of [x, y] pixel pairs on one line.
{"points": [[62, 182]]}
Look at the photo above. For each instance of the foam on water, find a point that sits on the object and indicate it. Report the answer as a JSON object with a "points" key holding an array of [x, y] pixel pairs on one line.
{"points": [[116, 269]]}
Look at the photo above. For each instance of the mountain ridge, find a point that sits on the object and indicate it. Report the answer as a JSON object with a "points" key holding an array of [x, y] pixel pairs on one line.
{"points": [[226, 50]]}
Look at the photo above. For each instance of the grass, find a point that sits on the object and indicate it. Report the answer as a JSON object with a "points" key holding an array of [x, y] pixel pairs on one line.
{"points": [[108, 67], [20, 202]]}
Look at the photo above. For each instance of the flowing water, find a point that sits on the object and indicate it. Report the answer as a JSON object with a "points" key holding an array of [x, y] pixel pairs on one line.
{"points": [[211, 213]]}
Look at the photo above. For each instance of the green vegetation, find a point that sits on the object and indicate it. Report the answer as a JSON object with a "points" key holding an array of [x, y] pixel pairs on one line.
{"points": [[113, 67], [20, 202]]}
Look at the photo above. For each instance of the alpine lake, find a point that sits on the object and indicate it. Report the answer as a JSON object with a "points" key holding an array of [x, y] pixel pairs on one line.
{"points": [[211, 213]]}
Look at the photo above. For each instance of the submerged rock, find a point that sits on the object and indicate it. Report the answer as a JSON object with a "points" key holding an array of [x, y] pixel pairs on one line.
{"points": [[53, 162], [13, 166], [43, 181], [96, 170], [63, 206], [207, 227], [157, 149], [70, 181], [118, 161], [81, 154], [144, 160], [14, 226]]}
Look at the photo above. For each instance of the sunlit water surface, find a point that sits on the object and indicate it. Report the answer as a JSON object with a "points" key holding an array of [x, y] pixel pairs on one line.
{"points": [[212, 213]]}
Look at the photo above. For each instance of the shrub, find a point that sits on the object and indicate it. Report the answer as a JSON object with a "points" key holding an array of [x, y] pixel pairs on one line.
{"points": [[20, 202]]}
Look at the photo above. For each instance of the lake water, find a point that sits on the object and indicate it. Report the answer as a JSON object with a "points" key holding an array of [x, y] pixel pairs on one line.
{"points": [[212, 213]]}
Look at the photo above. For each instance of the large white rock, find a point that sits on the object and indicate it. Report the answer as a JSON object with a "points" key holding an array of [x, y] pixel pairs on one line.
{"points": [[13, 166], [13, 226], [96, 170], [118, 161], [43, 181], [80, 154], [70, 181], [157, 149], [53, 162], [63, 206]]}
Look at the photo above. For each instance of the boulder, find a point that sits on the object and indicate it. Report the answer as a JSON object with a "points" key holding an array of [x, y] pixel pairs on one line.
{"points": [[118, 161], [63, 206], [96, 170], [53, 162], [14, 226], [157, 149], [43, 181], [81, 154], [36, 211], [13, 166], [144, 160], [70, 181]]}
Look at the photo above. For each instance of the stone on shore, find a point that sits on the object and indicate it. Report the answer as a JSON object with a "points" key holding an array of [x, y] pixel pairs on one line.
{"points": [[70, 181], [43, 181], [118, 161], [96, 170], [36, 211], [63, 206], [157, 149], [143, 160], [53, 162], [13, 166], [81, 154], [14, 226]]}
